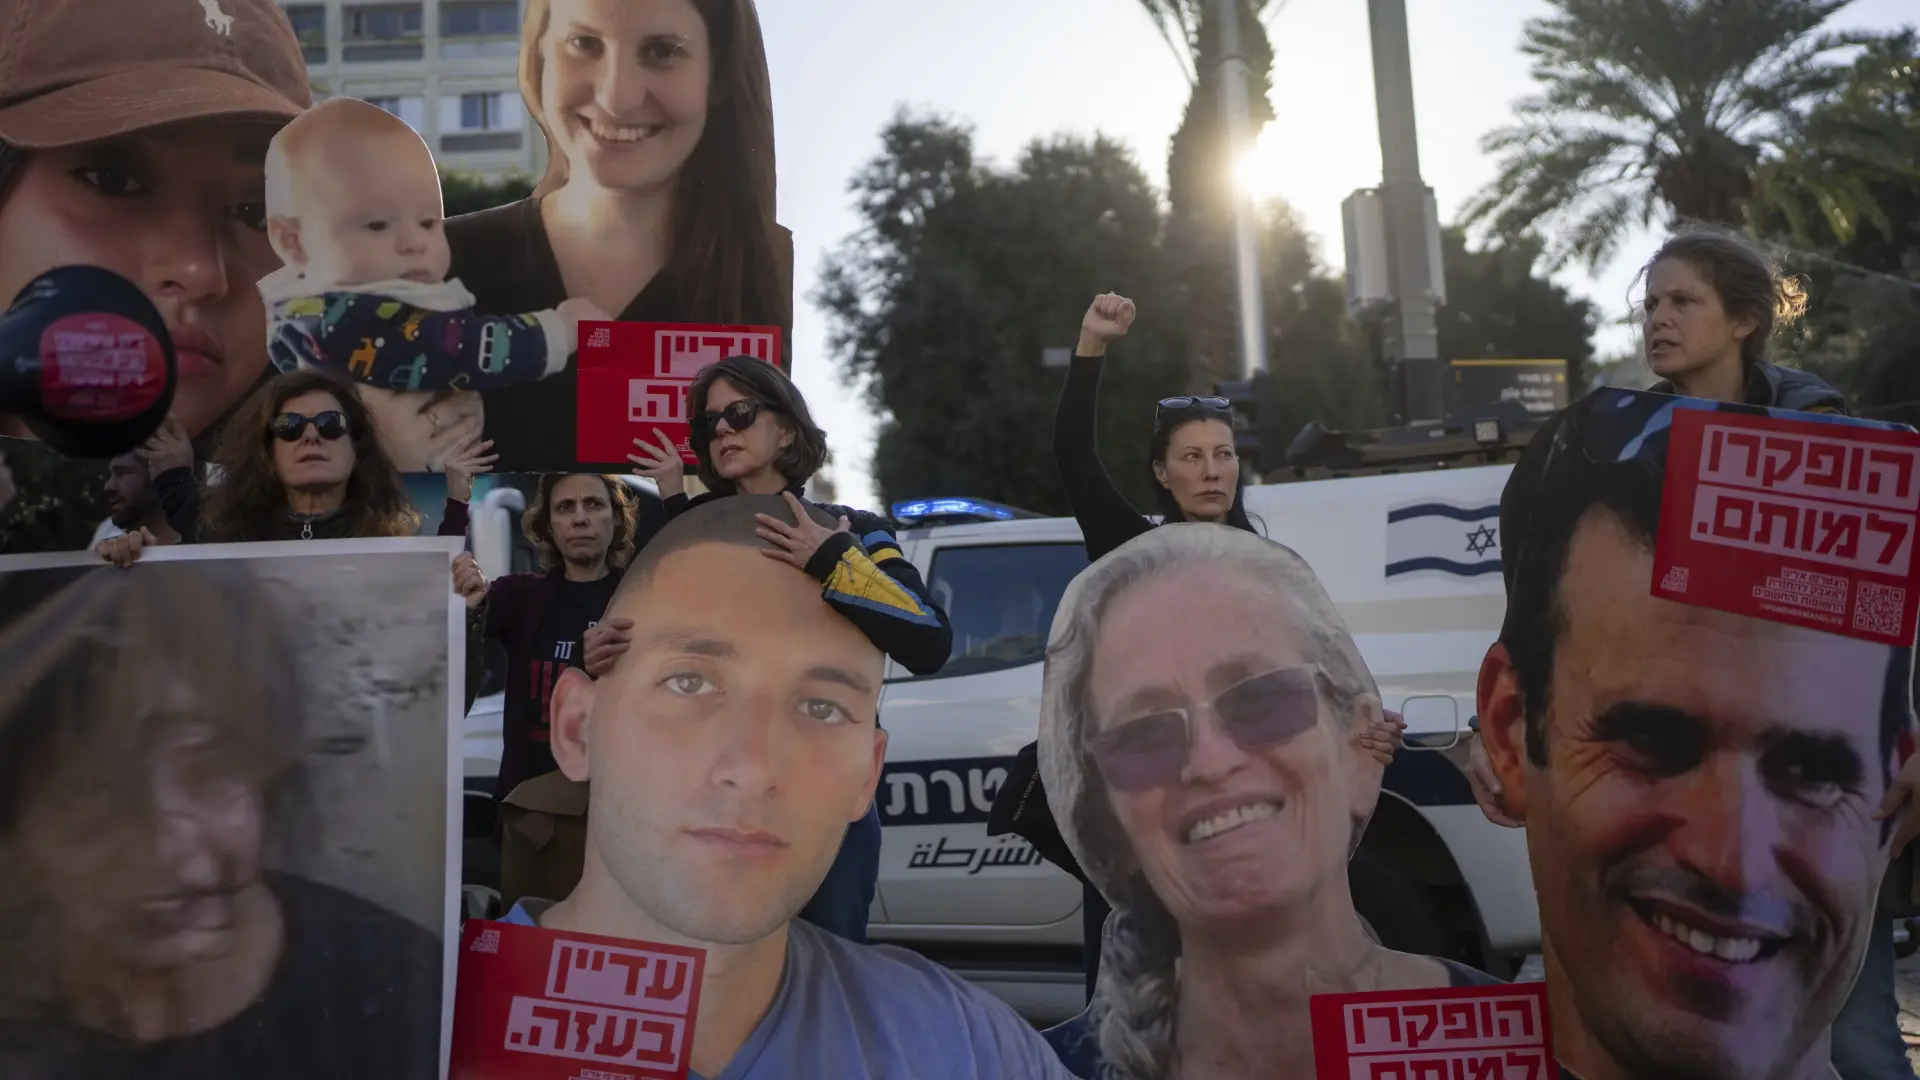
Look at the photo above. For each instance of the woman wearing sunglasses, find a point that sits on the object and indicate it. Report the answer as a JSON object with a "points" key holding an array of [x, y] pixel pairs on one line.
{"points": [[753, 435], [1196, 478], [1198, 738], [299, 461]]}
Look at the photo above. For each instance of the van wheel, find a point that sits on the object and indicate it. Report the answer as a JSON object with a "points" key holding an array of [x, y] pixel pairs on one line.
{"points": [[1394, 910]]}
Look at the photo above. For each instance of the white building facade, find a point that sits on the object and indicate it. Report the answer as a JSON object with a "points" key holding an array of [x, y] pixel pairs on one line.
{"points": [[446, 67]]}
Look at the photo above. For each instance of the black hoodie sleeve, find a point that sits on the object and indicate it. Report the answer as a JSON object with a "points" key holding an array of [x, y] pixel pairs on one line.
{"points": [[1106, 519], [869, 580]]}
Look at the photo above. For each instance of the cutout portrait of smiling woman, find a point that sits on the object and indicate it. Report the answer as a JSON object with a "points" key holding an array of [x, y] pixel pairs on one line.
{"points": [[1198, 744]]}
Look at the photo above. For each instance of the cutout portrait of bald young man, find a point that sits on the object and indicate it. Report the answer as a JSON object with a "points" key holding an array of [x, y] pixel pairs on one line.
{"points": [[1699, 787], [727, 750]]}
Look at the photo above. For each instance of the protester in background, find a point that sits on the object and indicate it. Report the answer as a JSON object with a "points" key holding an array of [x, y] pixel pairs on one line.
{"points": [[299, 461], [658, 201], [753, 435], [582, 526], [1196, 477], [132, 503], [155, 814], [132, 137], [1713, 303], [725, 754]]}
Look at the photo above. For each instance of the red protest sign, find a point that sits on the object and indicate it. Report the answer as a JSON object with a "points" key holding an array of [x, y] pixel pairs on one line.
{"points": [[634, 377], [535, 1004], [1483, 1032], [1796, 521]]}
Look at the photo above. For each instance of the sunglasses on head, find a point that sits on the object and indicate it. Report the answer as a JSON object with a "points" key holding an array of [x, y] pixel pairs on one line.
{"points": [[1187, 401], [1151, 751], [739, 416], [289, 426]]}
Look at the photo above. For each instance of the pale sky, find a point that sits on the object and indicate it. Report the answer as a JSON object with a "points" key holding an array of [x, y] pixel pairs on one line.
{"points": [[1020, 69]]}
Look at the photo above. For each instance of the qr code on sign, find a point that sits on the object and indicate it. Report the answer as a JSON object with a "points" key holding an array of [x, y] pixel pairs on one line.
{"points": [[1877, 608]]}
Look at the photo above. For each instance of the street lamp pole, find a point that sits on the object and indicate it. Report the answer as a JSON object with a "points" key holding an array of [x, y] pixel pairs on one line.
{"points": [[1411, 337], [1236, 113]]}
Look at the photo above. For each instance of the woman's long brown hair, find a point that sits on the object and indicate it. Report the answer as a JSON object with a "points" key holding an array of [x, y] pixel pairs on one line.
{"points": [[726, 258], [249, 503]]}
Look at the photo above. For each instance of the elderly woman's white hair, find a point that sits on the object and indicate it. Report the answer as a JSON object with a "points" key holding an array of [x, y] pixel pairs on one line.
{"points": [[1134, 1005]]}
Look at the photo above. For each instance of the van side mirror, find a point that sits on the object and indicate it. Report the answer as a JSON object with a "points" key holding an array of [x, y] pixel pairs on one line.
{"points": [[1433, 722]]}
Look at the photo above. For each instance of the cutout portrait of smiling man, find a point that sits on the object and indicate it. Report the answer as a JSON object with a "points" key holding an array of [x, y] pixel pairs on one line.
{"points": [[726, 751], [1698, 787], [1199, 745]]}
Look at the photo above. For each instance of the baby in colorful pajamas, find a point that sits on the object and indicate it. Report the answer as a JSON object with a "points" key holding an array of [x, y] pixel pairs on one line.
{"points": [[354, 212]]}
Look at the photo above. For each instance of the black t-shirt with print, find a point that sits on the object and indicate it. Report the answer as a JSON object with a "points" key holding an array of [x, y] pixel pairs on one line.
{"points": [[577, 607], [356, 994], [505, 260]]}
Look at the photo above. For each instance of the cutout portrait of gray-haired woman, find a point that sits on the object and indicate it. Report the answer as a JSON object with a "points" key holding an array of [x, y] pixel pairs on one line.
{"points": [[1199, 743]]}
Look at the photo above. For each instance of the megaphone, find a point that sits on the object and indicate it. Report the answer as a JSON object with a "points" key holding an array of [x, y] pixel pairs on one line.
{"points": [[86, 362]]}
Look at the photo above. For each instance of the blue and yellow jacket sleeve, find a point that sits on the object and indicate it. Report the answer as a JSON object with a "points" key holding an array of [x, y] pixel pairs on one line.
{"points": [[869, 580], [391, 345]]}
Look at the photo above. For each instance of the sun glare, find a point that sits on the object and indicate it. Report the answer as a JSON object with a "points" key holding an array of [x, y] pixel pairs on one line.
{"points": [[1261, 168]]}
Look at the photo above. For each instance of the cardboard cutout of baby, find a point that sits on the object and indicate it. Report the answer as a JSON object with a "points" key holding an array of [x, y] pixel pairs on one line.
{"points": [[1200, 743], [1698, 785], [355, 214]]}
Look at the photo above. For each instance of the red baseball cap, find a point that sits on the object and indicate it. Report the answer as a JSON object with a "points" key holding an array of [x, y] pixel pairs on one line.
{"points": [[73, 71]]}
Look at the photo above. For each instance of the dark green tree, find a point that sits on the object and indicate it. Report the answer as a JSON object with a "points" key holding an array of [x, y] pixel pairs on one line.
{"points": [[1499, 308], [467, 193], [963, 275], [1862, 276], [1655, 110], [1321, 362], [1199, 240]]}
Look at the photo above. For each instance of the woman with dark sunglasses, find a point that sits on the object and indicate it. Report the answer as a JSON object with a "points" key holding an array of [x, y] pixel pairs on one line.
{"points": [[753, 434], [1196, 475], [299, 461]]}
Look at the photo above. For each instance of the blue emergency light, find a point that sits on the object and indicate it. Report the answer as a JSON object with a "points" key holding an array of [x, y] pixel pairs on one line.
{"points": [[916, 511]]}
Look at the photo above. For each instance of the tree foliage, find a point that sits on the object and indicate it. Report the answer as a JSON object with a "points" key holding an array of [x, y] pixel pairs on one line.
{"points": [[1499, 308], [1863, 276], [1657, 109], [1200, 193], [963, 275]]}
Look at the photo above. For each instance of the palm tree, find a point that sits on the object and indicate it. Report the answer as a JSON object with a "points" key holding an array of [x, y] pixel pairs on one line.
{"points": [[1648, 106]]}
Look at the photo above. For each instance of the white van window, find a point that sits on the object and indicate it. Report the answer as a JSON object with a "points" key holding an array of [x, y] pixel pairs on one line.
{"points": [[1000, 600]]}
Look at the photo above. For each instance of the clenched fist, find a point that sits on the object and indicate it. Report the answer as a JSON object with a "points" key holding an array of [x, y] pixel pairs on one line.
{"points": [[1106, 321]]}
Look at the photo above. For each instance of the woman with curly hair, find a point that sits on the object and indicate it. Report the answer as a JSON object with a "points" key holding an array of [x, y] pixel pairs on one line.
{"points": [[582, 525], [299, 461]]}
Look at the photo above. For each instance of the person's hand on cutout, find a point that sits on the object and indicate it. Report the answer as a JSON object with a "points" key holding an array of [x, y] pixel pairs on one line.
{"points": [[469, 583], [1106, 322], [124, 550], [1383, 739], [468, 459], [168, 448], [604, 642], [660, 463], [1486, 786], [1903, 798], [796, 543]]}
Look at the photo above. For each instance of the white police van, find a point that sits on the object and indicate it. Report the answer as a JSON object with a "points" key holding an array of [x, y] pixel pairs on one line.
{"points": [[1411, 560]]}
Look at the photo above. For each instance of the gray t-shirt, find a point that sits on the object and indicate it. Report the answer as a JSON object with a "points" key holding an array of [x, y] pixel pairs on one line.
{"points": [[850, 1011]]}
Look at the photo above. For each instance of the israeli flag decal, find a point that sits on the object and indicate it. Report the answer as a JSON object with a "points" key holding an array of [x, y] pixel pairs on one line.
{"points": [[1443, 538]]}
